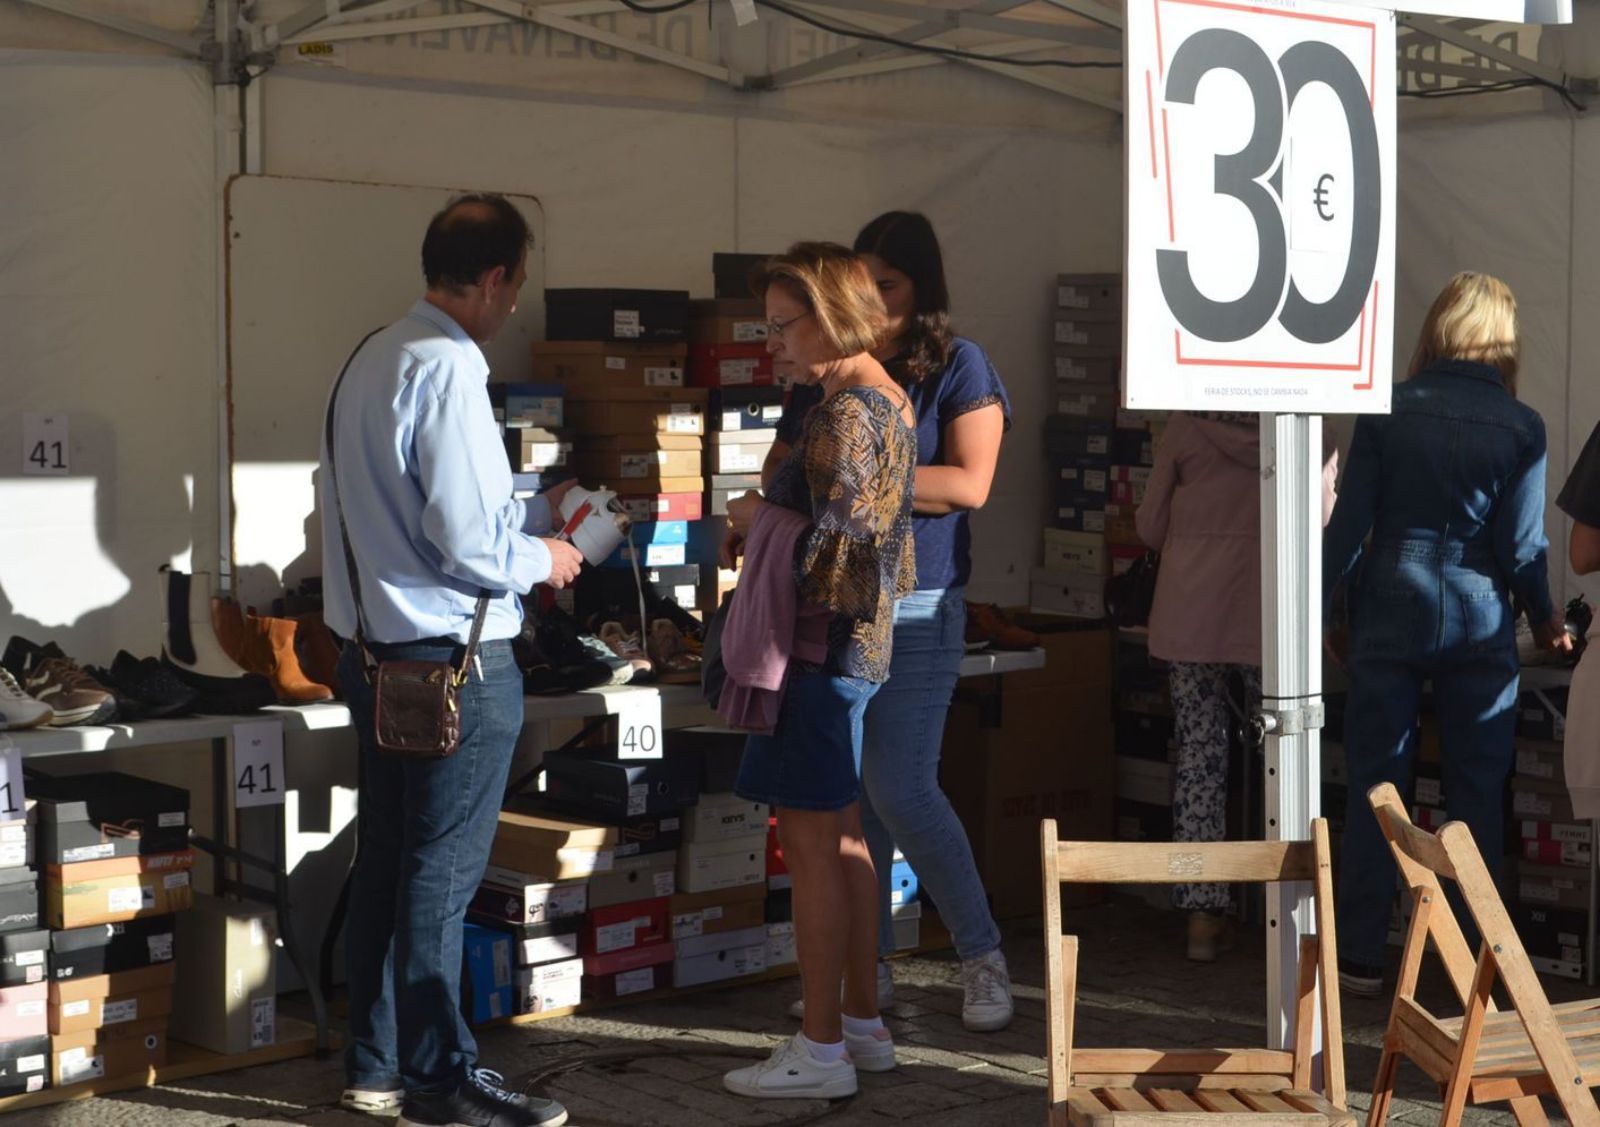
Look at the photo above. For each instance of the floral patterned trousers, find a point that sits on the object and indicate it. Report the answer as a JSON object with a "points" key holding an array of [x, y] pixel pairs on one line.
{"points": [[1203, 716]]}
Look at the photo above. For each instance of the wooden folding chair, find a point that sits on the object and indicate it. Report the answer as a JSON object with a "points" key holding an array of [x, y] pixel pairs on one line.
{"points": [[1485, 1055], [1148, 1087]]}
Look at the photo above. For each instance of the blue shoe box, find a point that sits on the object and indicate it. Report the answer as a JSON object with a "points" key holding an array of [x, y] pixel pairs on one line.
{"points": [[660, 543], [903, 884], [488, 977]]}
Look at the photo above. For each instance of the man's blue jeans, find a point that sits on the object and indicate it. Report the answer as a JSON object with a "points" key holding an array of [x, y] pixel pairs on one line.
{"points": [[901, 801], [1424, 615], [424, 830]]}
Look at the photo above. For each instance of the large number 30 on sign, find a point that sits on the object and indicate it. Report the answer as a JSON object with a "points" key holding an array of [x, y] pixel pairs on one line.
{"points": [[1260, 206]]}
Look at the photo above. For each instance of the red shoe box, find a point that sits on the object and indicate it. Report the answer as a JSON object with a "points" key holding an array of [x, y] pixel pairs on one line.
{"points": [[629, 959], [729, 365], [657, 976], [775, 865], [622, 927], [664, 506]]}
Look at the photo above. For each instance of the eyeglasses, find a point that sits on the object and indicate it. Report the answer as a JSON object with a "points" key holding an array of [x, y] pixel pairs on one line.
{"points": [[776, 329]]}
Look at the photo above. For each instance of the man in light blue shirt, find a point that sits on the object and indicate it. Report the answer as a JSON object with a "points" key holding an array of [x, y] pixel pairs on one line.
{"points": [[421, 477]]}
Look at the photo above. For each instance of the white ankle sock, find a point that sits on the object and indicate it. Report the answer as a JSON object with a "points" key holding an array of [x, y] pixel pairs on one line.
{"points": [[823, 1051], [862, 1026]]}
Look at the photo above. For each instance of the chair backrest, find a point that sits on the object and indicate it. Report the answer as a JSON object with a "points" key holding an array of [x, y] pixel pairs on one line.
{"points": [[1249, 862], [1452, 854]]}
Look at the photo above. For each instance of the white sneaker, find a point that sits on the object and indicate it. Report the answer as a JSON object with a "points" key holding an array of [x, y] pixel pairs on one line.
{"points": [[986, 1006], [797, 1008], [17, 708], [792, 1073], [872, 1052], [373, 1101]]}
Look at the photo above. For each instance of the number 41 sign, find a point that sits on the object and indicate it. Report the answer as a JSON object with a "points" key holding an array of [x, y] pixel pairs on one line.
{"points": [[1260, 232]]}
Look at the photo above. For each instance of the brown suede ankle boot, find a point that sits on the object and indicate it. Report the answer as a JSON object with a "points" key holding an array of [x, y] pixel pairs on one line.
{"points": [[270, 650]]}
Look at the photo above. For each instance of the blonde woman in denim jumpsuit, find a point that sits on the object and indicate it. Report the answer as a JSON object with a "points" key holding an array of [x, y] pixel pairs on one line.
{"points": [[1450, 487]]}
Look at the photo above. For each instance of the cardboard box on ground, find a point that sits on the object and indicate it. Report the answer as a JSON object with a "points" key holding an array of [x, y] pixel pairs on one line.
{"points": [[1033, 745]]}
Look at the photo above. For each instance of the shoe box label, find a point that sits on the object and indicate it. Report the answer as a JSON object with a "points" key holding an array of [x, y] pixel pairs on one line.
{"points": [[263, 1022]]}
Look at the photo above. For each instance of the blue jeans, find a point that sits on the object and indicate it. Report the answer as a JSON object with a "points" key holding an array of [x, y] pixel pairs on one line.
{"points": [[1423, 614], [902, 803], [811, 760], [424, 830]]}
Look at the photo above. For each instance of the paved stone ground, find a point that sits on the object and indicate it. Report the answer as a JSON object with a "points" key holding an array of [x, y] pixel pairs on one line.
{"points": [[659, 1064]]}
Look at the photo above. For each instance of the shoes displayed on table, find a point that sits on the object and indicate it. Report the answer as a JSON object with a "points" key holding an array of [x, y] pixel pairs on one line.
{"points": [[627, 647], [989, 628], [17, 709], [49, 676], [675, 663]]}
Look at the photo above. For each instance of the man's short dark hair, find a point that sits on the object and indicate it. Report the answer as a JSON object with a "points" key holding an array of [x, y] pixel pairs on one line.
{"points": [[471, 236]]}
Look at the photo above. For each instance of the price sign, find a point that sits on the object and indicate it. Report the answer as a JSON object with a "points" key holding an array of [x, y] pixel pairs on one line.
{"points": [[13, 803], [1260, 149], [638, 725], [258, 764], [44, 444]]}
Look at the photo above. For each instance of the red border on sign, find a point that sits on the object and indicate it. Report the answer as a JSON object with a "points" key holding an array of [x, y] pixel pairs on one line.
{"points": [[1363, 355]]}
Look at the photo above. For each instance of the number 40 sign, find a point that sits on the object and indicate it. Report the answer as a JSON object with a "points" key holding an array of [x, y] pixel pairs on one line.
{"points": [[1260, 150]]}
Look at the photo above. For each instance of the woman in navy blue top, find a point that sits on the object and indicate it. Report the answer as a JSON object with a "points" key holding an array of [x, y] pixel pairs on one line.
{"points": [[962, 413], [1439, 533]]}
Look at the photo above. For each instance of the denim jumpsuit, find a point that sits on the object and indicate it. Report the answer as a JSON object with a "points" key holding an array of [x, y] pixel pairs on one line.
{"points": [[1451, 488]]}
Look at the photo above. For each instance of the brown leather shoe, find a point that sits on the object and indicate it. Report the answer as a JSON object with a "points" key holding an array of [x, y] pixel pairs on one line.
{"points": [[269, 651], [987, 623]]}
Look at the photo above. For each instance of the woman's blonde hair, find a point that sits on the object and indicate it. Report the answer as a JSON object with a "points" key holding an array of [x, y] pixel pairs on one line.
{"points": [[835, 284], [1473, 318]]}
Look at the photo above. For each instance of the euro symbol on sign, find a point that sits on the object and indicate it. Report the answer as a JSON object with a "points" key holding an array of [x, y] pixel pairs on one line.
{"points": [[1320, 196]]}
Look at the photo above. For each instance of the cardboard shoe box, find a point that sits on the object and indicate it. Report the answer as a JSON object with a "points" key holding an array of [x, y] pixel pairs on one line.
{"points": [[628, 457], [1089, 291], [18, 837], [622, 927], [519, 405], [663, 507], [780, 945], [1074, 593], [711, 865], [487, 982], [519, 898], [711, 913], [118, 1050], [227, 992], [644, 876], [108, 814], [1075, 369], [646, 410], [742, 458], [123, 888], [721, 965], [654, 972], [609, 788], [724, 817], [609, 314], [551, 849], [24, 1066], [1553, 886], [549, 986], [533, 944], [744, 408], [24, 957], [729, 365], [716, 751], [19, 904], [1076, 551], [655, 485], [112, 999], [589, 370], [728, 321], [24, 1012], [87, 952]]}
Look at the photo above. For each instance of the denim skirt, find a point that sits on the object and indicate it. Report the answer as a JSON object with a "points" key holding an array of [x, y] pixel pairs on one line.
{"points": [[812, 759]]}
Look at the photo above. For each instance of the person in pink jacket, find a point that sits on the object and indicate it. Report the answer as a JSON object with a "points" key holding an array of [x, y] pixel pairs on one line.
{"points": [[1202, 512]]}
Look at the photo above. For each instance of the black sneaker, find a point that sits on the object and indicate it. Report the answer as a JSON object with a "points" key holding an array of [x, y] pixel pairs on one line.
{"points": [[152, 686], [225, 696], [480, 1102]]}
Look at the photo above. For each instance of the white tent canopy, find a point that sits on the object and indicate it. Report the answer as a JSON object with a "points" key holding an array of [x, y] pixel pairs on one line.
{"points": [[112, 247]]}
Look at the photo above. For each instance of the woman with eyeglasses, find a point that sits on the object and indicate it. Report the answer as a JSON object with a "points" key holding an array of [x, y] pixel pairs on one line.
{"points": [[962, 414], [844, 496]]}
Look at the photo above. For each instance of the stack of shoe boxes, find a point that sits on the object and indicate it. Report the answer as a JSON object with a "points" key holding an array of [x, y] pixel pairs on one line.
{"points": [[532, 417], [1146, 745], [719, 927], [728, 357], [637, 429], [24, 947], [537, 888], [780, 903], [117, 866], [626, 940], [1553, 872]]}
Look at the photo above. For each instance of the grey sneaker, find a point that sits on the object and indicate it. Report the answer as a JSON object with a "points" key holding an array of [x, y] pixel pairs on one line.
{"points": [[986, 984]]}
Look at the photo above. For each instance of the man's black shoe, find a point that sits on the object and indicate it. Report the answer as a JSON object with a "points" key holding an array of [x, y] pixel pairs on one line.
{"points": [[480, 1102], [151, 685]]}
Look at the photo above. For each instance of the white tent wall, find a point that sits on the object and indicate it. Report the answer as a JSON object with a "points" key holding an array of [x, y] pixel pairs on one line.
{"points": [[109, 273], [1499, 197], [642, 196]]}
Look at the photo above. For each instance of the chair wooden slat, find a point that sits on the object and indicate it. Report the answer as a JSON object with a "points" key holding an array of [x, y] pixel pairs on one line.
{"points": [[1170, 1099], [1126, 1099], [1156, 862]]}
